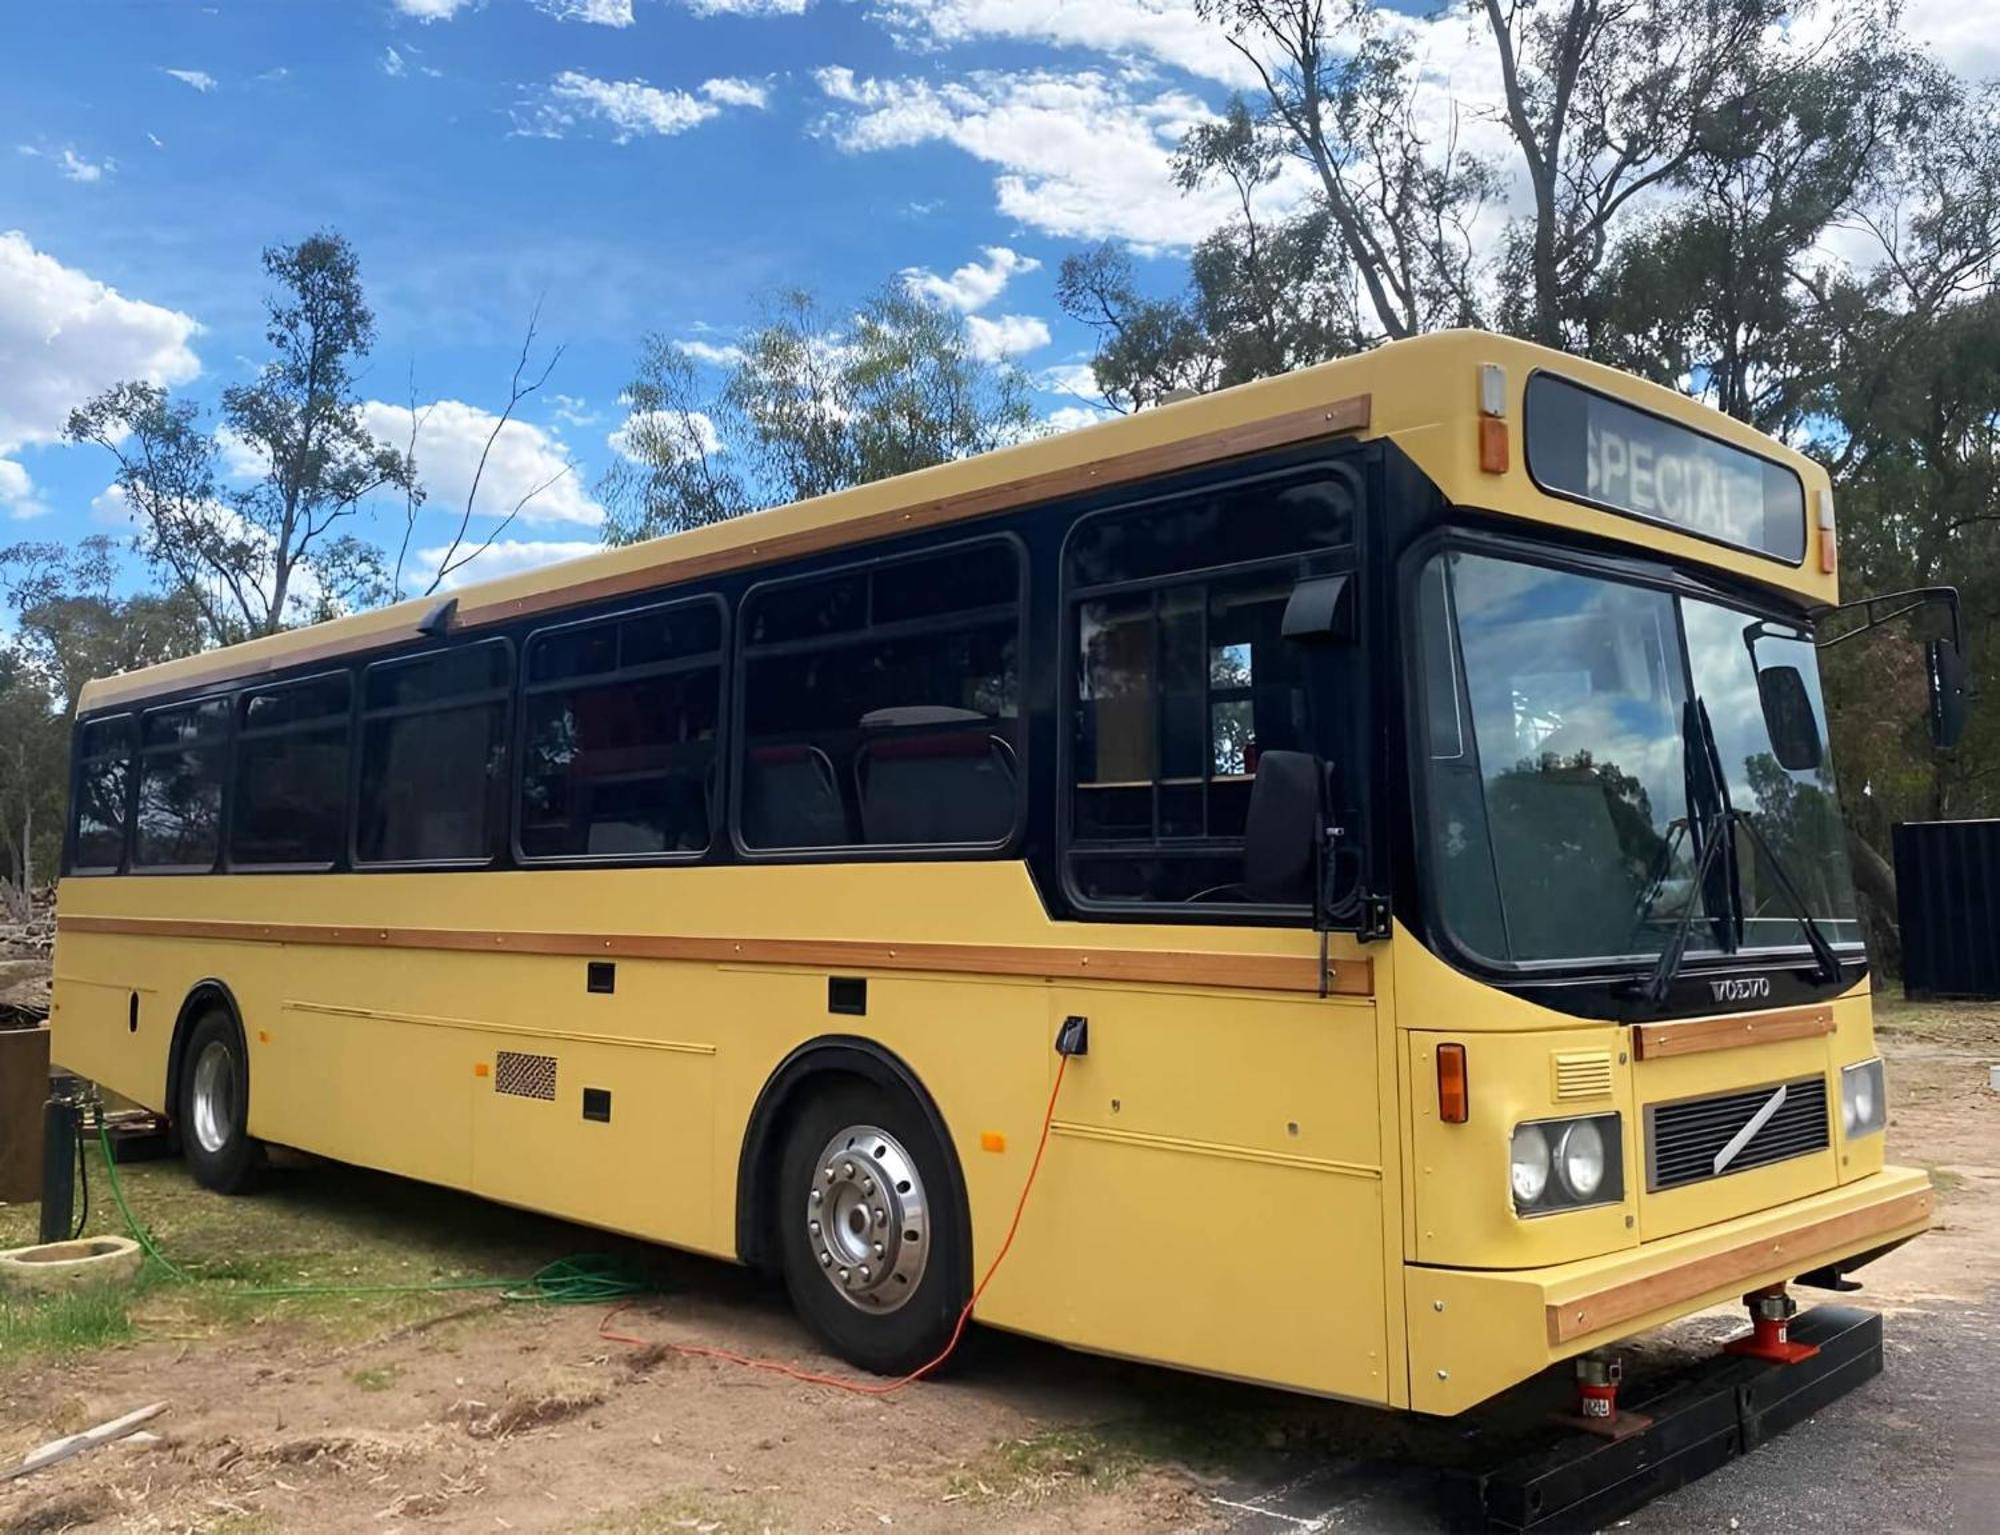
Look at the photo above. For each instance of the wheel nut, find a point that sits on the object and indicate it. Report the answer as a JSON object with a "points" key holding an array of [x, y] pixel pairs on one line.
{"points": [[843, 1276], [847, 1169], [826, 1260], [881, 1217], [815, 1228], [816, 1196], [864, 1271], [867, 1186], [880, 1251]]}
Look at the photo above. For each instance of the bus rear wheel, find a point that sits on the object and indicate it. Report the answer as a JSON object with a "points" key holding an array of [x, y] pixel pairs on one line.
{"points": [[870, 1250], [213, 1113]]}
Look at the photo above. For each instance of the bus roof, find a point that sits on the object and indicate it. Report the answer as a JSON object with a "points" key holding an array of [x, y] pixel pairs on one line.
{"points": [[1423, 393]]}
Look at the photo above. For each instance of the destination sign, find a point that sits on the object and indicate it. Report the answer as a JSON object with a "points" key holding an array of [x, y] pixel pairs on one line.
{"points": [[1584, 445]]}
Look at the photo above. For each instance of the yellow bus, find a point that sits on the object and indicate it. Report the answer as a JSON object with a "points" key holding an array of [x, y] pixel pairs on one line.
{"points": [[1402, 784]]}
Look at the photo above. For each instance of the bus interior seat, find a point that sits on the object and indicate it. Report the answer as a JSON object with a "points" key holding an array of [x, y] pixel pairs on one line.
{"points": [[937, 787], [791, 798]]}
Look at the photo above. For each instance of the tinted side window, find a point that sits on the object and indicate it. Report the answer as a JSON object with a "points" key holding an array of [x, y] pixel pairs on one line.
{"points": [[1180, 680], [433, 757], [620, 735], [880, 707], [1178, 691], [179, 824], [104, 780], [290, 805]]}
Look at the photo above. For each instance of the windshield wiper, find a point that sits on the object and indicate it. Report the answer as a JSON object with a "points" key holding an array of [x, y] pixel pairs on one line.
{"points": [[1662, 979], [1823, 956]]}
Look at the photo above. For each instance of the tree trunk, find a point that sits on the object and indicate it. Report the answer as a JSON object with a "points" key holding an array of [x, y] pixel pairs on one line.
{"points": [[1876, 879]]}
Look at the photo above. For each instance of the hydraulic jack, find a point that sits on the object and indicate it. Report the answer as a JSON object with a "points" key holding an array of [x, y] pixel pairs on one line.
{"points": [[1771, 1313]]}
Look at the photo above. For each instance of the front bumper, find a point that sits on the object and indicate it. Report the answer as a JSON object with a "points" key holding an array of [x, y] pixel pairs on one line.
{"points": [[1474, 1332]]}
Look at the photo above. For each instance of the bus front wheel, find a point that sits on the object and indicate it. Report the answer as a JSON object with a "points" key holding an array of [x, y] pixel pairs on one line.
{"points": [[214, 1108], [869, 1249]]}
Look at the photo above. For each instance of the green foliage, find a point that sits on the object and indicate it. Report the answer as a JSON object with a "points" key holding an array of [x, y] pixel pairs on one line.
{"points": [[65, 1322], [254, 559], [816, 404]]}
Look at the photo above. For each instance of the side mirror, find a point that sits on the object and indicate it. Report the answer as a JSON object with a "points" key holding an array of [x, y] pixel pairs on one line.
{"points": [[1282, 829], [1789, 717], [1946, 667]]}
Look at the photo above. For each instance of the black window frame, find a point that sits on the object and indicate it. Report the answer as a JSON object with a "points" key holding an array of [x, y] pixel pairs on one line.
{"points": [[223, 744], [1304, 564], [524, 689], [504, 695], [745, 653], [82, 763], [241, 732]]}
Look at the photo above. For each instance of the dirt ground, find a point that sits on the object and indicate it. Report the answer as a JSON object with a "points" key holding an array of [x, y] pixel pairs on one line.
{"points": [[468, 1412]]}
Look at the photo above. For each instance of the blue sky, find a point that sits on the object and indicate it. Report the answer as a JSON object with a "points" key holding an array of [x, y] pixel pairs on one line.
{"points": [[635, 164]]}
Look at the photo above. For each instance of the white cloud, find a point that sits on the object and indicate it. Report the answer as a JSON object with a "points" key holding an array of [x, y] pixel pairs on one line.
{"points": [[1081, 156], [392, 64], [76, 168], [1961, 36], [17, 493], [748, 7], [65, 336], [732, 92], [200, 79], [972, 286], [727, 355], [571, 410], [602, 13], [664, 428], [432, 10], [1167, 31], [111, 507], [526, 460], [507, 557], [1008, 336], [154, 140], [631, 108], [1067, 418], [241, 459], [1077, 378]]}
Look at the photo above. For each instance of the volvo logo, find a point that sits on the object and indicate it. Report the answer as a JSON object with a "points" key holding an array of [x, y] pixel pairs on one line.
{"points": [[1741, 988]]}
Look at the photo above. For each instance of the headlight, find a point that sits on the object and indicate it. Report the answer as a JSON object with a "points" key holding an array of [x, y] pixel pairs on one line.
{"points": [[1531, 1164], [1584, 1155], [1864, 1109], [1580, 1160]]}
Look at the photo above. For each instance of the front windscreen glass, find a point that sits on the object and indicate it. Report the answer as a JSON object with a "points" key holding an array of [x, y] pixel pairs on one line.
{"points": [[1558, 776]]}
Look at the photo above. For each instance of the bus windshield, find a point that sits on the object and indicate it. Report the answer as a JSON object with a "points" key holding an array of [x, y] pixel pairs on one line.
{"points": [[1560, 776]]}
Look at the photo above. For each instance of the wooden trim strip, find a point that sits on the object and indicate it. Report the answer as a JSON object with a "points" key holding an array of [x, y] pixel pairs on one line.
{"points": [[1231, 1153], [1245, 972], [1292, 428], [1693, 1036], [487, 1026], [1792, 1250]]}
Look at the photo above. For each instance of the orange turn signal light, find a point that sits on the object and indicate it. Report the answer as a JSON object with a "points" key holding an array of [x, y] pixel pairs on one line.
{"points": [[1454, 1102], [1492, 445]]}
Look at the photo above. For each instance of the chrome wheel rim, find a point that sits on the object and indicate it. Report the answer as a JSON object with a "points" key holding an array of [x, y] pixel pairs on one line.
{"points": [[868, 1219], [214, 1097]]}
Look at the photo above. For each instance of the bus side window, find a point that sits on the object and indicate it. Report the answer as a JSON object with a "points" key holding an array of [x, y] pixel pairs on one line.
{"points": [[181, 759], [104, 777], [433, 757], [881, 706], [290, 802], [619, 741]]}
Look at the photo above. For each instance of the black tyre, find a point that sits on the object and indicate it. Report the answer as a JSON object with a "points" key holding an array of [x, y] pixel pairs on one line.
{"points": [[870, 1230], [213, 1109]]}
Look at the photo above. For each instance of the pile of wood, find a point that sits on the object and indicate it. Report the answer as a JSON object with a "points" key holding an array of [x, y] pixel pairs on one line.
{"points": [[28, 940]]}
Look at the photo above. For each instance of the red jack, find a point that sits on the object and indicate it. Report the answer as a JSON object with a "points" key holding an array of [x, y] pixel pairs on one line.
{"points": [[1598, 1375], [1771, 1313]]}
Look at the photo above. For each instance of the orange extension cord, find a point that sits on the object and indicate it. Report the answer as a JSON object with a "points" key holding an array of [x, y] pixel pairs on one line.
{"points": [[865, 1388]]}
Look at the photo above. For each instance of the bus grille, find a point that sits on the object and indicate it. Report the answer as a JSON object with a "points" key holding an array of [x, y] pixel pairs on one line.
{"points": [[1683, 1140], [524, 1076]]}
